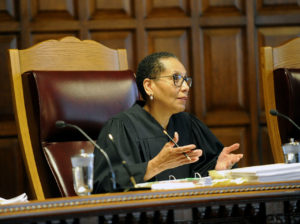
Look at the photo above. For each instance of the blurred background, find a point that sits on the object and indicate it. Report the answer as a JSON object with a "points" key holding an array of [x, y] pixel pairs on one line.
{"points": [[218, 41]]}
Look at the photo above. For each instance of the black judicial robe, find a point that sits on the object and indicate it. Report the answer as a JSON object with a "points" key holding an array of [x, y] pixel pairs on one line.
{"points": [[138, 137]]}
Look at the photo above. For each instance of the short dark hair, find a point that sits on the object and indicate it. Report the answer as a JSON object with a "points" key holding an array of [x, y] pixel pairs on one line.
{"points": [[150, 67]]}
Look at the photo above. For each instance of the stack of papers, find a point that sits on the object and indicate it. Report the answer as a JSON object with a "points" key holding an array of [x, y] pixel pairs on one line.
{"points": [[18, 199], [176, 184], [263, 173], [269, 173]]}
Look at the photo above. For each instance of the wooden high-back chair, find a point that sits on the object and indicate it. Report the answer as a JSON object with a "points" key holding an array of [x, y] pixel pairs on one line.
{"points": [[50, 81], [281, 79]]}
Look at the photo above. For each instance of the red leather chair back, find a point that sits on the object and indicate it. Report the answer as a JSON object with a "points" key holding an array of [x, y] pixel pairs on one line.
{"points": [[287, 97], [83, 98]]}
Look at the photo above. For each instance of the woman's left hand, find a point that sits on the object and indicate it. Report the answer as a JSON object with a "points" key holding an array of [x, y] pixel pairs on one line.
{"points": [[227, 159]]}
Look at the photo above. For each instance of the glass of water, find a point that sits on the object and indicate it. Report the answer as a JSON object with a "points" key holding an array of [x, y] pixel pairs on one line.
{"points": [[82, 168], [291, 151]]}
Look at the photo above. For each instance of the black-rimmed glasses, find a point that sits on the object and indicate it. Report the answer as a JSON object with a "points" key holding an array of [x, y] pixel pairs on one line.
{"points": [[177, 79]]}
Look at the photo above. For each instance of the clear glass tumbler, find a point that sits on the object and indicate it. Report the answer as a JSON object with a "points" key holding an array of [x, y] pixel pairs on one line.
{"points": [[82, 167], [291, 151]]}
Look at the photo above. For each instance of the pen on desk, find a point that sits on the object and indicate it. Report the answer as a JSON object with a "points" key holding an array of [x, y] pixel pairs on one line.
{"points": [[166, 133]]}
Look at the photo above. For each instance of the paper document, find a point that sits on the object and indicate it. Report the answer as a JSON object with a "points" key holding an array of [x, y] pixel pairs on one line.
{"points": [[177, 183], [261, 173], [21, 198]]}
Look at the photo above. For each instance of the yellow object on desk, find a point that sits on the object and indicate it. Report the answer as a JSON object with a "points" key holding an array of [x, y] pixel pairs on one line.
{"points": [[228, 182]]}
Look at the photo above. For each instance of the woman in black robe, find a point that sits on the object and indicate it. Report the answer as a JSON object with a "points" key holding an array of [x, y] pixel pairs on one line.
{"points": [[139, 137]]}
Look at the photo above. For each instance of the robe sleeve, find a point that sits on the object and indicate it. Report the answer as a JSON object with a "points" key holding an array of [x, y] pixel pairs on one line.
{"points": [[210, 145], [126, 147]]}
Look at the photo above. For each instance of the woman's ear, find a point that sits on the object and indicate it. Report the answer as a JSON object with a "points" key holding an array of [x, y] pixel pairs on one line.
{"points": [[148, 86]]}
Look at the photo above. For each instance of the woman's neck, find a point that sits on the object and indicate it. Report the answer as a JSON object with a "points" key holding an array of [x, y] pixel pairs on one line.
{"points": [[161, 117]]}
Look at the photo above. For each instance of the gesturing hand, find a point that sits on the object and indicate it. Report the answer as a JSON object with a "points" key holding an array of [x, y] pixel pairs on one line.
{"points": [[227, 159], [170, 157]]}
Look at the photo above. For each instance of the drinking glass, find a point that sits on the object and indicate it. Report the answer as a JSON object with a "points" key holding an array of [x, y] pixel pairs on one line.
{"points": [[291, 151], [82, 168]]}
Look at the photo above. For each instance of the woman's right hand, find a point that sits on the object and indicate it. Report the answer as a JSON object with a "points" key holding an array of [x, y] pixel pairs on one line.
{"points": [[170, 157]]}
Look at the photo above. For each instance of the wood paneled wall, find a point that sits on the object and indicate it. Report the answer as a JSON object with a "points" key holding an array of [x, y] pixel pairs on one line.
{"points": [[218, 41]]}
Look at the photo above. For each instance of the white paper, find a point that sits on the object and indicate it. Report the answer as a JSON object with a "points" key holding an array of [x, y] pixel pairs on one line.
{"points": [[18, 199], [264, 173], [168, 186]]}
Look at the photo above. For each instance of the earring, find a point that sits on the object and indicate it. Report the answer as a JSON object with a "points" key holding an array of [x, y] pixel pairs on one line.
{"points": [[151, 97]]}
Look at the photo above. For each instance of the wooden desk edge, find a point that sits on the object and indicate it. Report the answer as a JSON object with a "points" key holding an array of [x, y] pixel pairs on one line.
{"points": [[138, 201]]}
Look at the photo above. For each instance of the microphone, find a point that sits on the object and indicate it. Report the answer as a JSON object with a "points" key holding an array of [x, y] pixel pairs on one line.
{"points": [[124, 163], [276, 113], [62, 124]]}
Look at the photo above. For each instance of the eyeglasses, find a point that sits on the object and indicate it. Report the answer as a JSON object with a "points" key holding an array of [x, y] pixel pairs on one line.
{"points": [[177, 79]]}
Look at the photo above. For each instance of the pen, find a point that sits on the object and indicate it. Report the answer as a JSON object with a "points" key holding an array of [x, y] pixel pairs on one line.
{"points": [[166, 133]]}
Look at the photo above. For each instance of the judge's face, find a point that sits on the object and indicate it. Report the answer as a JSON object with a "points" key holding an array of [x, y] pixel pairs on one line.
{"points": [[167, 96]]}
